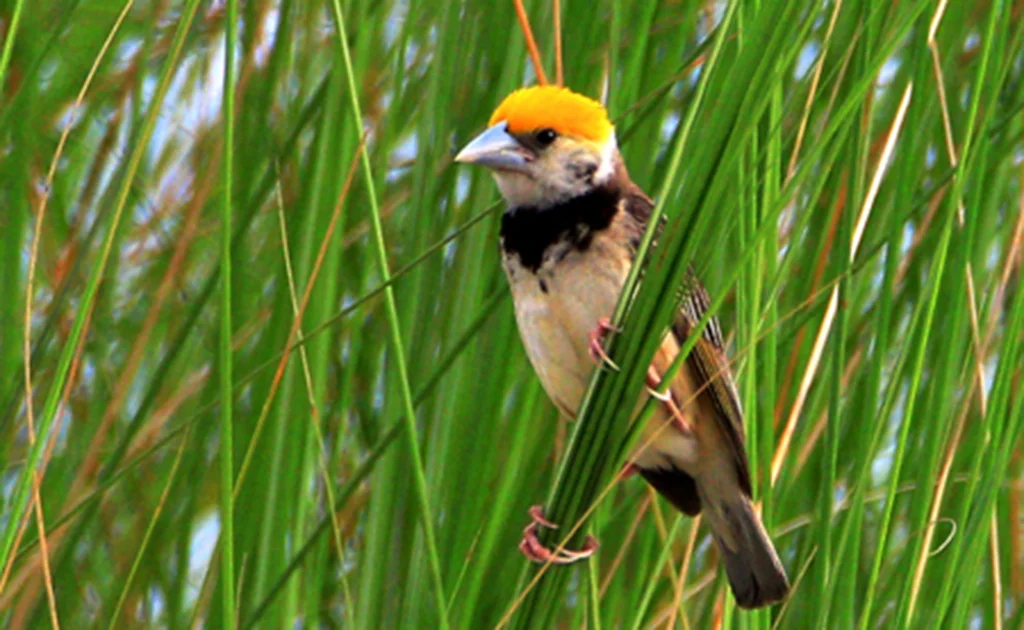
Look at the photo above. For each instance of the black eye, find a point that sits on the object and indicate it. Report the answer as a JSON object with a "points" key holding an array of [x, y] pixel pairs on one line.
{"points": [[546, 136]]}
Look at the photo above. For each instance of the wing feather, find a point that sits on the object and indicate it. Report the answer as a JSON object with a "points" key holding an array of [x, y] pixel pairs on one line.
{"points": [[711, 369], [707, 360]]}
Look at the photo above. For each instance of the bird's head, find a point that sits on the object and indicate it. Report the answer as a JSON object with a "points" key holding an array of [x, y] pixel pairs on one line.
{"points": [[545, 145]]}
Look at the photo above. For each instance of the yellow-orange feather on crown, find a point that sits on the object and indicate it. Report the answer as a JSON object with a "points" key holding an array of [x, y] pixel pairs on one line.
{"points": [[549, 106]]}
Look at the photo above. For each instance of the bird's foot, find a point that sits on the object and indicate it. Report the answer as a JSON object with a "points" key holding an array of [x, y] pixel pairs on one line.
{"points": [[628, 470], [534, 550], [678, 419], [597, 335], [653, 381]]}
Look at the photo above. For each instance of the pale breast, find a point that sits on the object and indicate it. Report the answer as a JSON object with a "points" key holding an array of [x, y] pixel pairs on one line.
{"points": [[563, 281], [557, 306]]}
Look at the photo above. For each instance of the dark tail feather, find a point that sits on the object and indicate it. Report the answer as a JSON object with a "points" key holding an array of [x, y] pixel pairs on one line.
{"points": [[751, 564], [679, 488]]}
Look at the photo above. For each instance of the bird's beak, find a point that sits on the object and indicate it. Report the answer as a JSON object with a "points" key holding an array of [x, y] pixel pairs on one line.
{"points": [[497, 149]]}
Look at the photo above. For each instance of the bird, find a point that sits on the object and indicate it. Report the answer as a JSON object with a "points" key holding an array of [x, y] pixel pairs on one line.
{"points": [[569, 235]]}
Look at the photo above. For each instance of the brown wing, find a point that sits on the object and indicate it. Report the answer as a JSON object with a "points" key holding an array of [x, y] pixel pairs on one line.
{"points": [[707, 360], [711, 369]]}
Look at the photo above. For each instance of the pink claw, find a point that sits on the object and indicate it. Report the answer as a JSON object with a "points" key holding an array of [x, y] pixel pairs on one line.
{"points": [[597, 335], [534, 550], [628, 470], [678, 419]]}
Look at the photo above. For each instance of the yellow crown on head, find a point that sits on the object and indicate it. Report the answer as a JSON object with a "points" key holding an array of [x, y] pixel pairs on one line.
{"points": [[558, 108]]}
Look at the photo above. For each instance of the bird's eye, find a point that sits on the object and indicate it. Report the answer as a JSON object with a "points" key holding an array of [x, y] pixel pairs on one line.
{"points": [[546, 136]]}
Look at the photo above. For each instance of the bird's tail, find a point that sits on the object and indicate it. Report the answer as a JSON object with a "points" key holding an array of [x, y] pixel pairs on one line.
{"points": [[751, 563]]}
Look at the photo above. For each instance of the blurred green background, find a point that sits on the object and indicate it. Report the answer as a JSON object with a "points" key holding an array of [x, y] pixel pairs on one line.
{"points": [[845, 175]]}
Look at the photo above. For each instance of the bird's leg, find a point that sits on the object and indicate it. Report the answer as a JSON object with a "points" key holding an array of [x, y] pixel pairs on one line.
{"points": [[597, 335], [598, 354], [628, 470], [678, 419], [534, 550]]}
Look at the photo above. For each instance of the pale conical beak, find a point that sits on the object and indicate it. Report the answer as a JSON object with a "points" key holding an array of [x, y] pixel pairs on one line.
{"points": [[497, 149]]}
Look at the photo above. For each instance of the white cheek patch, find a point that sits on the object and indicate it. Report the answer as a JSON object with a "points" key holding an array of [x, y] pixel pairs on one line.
{"points": [[517, 189], [607, 166], [554, 182]]}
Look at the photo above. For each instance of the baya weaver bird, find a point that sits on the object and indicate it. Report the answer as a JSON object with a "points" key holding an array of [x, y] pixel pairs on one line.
{"points": [[568, 239]]}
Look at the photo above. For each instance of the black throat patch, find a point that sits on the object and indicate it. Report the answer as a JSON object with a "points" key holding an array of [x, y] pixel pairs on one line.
{"points": [[528, 232]]}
